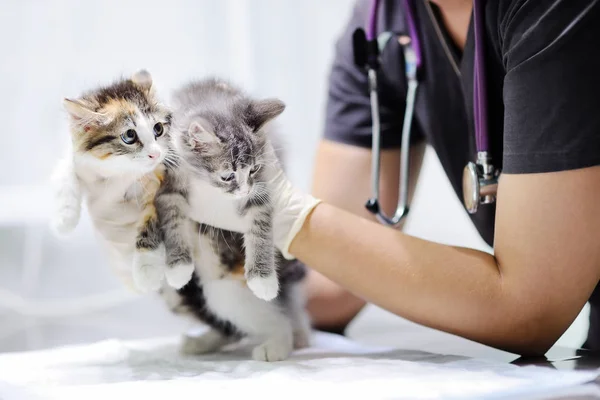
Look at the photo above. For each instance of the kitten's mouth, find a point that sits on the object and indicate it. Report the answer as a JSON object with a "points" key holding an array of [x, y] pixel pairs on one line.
{"points": [[156, 162]]}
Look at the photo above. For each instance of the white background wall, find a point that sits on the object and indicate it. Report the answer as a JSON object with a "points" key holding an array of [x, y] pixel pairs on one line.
{"points": [[55, 48]]}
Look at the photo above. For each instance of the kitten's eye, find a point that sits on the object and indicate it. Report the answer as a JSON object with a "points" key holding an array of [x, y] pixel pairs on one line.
{"points": [[159, 129], [254, 169], [129, 137], [227, 177]]}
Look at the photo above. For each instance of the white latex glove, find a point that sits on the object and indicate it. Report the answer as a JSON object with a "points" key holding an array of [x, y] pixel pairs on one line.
{"points": [[291, 207]]}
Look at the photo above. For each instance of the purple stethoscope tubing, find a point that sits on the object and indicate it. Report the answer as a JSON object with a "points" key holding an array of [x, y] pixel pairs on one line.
{"points": [[479, 87], [414, 61]]}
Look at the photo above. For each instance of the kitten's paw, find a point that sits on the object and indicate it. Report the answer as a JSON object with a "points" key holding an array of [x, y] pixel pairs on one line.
{"points": [[208, 342], [149, 269], [265, 288], [65, 220], [179, 275], [272, 350]]}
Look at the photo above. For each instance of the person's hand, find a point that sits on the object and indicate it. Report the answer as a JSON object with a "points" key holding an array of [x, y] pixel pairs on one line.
{"points": [[290, 208]]}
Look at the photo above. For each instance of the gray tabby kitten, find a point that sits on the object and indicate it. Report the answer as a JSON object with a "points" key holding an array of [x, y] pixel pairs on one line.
{"points": [[222, 146], [241, 285]]}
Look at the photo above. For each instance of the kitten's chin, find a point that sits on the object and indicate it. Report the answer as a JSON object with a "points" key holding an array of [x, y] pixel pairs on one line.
{"points": [[151, 167], [241, 196], [116, 166]]}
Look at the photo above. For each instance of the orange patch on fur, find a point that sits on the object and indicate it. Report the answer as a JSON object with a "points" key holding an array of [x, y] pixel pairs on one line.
{"points": [[149, 213], [159, 172], [238, 269], [115, 107], [238, 273]]}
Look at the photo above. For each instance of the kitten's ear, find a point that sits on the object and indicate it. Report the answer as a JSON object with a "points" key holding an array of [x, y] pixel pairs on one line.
{"points": [[260, 112], [82, 115], [143, 79], [201, 136]]}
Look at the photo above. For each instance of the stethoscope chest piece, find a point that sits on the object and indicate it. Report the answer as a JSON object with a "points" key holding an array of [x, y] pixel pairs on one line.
{"points": [[480, 183], [470, 185]]}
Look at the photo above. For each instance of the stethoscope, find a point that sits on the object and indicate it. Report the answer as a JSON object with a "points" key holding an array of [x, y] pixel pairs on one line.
{"points": [[480, 178]]}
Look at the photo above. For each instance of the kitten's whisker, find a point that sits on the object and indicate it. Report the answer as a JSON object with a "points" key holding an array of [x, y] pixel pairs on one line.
{"points": [[225, 240], [216, 239], [173, 155], [169, 162]]}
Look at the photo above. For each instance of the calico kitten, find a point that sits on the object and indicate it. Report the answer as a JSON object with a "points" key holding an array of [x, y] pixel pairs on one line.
{"points": [[120, 144], [242, 285]]}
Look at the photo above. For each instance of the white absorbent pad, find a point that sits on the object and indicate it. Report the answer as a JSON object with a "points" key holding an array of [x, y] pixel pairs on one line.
{"points": [[334, 367]]}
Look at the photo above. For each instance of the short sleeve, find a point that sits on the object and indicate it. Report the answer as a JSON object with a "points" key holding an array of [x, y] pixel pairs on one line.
{"points": [[552, 85], [348, 110]]}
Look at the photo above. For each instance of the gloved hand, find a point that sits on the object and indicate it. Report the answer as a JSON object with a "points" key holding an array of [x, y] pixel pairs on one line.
{"points": [[291, 207]]}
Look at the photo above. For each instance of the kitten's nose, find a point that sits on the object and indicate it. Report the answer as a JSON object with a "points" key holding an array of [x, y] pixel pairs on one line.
{"points": [[154, 154]]}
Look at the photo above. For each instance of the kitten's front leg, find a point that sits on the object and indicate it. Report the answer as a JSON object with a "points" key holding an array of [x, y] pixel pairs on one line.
{"points": [[176, 228], [67, 198], [149, 257], [261, 274]]}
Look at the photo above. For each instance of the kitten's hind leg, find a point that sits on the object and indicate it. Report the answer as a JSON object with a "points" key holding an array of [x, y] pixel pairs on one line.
{"points": [[67, 198], [208, 342], [278, 346], [261, 273], [300, 321]]}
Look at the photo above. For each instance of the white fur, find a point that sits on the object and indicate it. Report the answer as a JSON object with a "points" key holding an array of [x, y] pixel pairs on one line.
{"points": [[179, 275], [209, 203], [67, 198], [274, 349], [232, 300], [149, 269], [265, 288]]}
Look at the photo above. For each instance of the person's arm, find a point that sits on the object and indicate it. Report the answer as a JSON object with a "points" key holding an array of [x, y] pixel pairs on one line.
{"points": [[342, 177], [547, 263], [546, 259]]}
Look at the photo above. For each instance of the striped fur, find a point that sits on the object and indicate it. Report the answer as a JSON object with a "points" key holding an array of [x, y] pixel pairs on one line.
{"points": [[219, 137], [241, 285]]}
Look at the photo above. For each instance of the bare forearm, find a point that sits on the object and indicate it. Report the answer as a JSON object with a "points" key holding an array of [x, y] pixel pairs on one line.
{"points": [[342, 178], [456, 290], [330, 306]]}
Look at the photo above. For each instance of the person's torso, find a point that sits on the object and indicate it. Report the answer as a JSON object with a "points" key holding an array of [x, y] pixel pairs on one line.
{"points": [[444, 104]]}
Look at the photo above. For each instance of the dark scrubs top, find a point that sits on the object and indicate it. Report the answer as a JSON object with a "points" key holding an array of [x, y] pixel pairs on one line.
{"points": [[543, 83]]}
